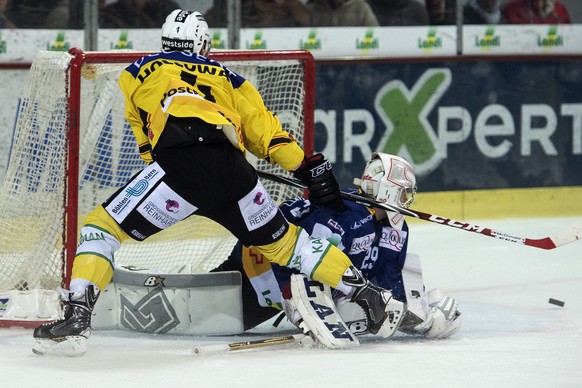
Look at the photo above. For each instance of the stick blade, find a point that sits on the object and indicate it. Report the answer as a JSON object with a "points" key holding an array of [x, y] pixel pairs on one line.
{"points": [[569, 235]]}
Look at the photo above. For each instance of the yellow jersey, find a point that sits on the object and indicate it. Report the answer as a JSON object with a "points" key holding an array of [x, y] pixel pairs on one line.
{"points": [[183, 84]]}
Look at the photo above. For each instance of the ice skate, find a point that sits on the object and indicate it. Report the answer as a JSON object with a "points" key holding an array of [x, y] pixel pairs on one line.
{"points": [[67, 336]]}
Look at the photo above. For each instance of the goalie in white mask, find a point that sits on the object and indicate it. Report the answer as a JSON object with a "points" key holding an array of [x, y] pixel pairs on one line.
{"points": [[376, 242]]}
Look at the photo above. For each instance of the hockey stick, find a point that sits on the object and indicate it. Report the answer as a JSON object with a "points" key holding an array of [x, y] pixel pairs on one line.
{"points": [[246, 345], [566, 236]]}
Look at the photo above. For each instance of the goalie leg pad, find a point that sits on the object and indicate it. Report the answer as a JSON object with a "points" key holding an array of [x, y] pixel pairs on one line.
{"points": [[313, 301]]}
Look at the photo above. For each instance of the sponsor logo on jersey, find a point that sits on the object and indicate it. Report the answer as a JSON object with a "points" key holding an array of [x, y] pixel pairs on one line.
{"points": [[296, 207], [263, 215], [392, 238], [336, 226], [257, 207], [157, 215], [137, 190], [358, 224], [177, 92], [295, 262], [172, 206], [133, 191], [163, 207], [259, 200], [362, 244]]}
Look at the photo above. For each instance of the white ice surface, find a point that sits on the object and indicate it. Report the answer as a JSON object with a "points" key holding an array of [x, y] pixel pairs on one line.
{"points": [[511, 336]]}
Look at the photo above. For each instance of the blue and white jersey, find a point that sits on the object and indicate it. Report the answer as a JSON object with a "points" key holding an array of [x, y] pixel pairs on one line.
{"points": [[378, 250]]}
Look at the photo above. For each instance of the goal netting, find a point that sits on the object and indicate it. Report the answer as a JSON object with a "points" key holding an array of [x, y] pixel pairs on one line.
{"points": [[72, 148]]}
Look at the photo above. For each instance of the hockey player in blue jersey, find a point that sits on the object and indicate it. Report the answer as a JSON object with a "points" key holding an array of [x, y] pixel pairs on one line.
{"points": [[375, 240]]}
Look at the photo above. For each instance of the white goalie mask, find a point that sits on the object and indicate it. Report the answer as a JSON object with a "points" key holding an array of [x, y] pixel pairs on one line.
{"points": [[389, 179], [186, 31]]}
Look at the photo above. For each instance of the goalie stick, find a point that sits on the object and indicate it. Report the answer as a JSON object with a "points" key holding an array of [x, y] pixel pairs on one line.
{"points": [[246, 345], [566, 236]]}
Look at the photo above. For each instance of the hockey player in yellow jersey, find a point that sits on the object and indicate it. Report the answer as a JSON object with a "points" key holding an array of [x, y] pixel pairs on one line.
{"points": [[193, 120]]}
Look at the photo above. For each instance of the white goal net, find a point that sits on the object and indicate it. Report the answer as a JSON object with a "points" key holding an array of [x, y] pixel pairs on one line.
{"points": [[72, 148]]}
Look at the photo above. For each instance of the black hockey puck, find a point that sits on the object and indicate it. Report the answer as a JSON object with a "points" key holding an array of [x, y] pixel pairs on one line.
{"points": [[556, 302]]}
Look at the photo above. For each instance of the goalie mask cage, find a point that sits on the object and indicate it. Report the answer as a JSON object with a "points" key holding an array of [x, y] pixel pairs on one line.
{"points": [[72, 148]]}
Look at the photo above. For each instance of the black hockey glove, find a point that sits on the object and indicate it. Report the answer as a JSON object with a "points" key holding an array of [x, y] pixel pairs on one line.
{"points": [[317, 175]]}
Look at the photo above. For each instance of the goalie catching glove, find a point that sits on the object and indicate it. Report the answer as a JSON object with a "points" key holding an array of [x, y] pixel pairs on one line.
{"points": [[316, 173]]}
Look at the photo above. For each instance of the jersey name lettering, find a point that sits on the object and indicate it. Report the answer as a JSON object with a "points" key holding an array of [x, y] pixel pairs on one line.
{"points": [[199, 68]]}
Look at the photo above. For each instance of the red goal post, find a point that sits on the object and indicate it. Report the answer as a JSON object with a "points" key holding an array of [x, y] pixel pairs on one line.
{"points": [[72, 148]]}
